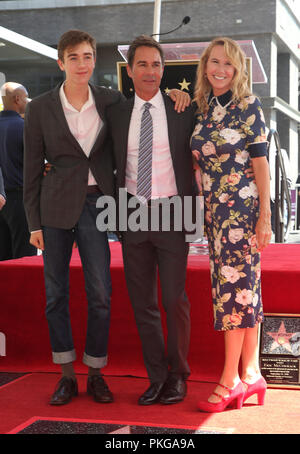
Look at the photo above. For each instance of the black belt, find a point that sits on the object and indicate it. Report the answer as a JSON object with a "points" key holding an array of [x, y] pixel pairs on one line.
{"points": [[151, 201]]}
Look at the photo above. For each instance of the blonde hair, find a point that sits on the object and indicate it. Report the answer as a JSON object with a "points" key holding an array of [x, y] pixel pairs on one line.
{"points": [[236, 56]]}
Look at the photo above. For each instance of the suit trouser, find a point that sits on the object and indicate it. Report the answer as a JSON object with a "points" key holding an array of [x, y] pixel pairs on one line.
{"points": [[144, 253], [95, 257], [5, 240]]}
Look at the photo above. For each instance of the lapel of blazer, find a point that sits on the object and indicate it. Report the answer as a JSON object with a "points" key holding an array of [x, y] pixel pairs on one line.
{"points": [[100, 106], [124, 123], [59, 113], [172, 117]]}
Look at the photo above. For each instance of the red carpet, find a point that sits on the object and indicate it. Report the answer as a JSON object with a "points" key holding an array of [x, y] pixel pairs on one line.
{"points": [[23, 322], [25, 401]]}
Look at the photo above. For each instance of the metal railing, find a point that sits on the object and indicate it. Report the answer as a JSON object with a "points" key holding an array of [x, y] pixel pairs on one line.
{"points": [[282, 193]]}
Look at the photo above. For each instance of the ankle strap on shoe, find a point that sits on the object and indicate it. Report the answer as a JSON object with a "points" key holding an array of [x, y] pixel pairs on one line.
{"points": [[225, 387]]}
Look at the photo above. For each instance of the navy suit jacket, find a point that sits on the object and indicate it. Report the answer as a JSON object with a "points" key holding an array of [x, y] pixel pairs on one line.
{"points": [[11, 148]]}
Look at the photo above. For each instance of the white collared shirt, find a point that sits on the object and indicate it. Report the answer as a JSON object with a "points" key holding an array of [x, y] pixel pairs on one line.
{"points": [[163, 176], [85, 124]]}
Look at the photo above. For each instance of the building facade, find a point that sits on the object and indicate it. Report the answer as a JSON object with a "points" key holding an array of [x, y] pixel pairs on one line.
{"points": [[273, 25]]}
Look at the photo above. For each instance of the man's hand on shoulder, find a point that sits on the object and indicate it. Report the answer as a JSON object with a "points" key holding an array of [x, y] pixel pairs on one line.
{"points": [[181, 99]]}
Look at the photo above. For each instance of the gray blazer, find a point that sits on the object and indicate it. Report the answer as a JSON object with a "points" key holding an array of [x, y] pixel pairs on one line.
{"points": [[180, 128], [57, 199]]}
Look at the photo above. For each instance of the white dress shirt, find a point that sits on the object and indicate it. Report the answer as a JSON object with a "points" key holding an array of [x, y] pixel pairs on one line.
{"points": [[163, 176], [85, 124]]}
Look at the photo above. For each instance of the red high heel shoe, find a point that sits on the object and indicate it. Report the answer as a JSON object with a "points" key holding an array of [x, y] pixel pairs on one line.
{"points": [[236, 396], [259, 388]]}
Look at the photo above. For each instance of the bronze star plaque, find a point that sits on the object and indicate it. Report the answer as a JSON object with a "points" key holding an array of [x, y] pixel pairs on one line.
{"points": [[279, 351]]}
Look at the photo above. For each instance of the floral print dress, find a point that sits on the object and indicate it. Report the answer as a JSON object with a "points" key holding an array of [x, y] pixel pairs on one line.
{"points": [[224, 140]]}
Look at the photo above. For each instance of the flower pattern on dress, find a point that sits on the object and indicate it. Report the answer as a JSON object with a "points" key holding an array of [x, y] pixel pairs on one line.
{"points": [[221, 142]]}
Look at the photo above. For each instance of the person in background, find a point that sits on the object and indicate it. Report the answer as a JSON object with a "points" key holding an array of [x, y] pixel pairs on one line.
{"points": [[229, 132], [14, 234]]}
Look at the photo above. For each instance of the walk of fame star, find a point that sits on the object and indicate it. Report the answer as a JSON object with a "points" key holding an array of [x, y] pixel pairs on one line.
{"points": [[184, 84], [281, 338]]}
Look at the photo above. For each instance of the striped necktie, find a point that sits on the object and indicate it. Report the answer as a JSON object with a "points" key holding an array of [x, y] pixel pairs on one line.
{"points": [[144, 176]]}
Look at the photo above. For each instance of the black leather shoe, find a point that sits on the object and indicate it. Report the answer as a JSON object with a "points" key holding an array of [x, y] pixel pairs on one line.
{"points": [[174, 390], [151, 395], [97, 388], [65, 389]]}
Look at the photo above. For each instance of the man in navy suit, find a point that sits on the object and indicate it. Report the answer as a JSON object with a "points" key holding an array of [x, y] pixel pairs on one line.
{"points": [[14, 235]]}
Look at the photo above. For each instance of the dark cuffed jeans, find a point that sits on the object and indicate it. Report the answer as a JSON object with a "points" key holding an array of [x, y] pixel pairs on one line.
{"points": [[95, 257]]}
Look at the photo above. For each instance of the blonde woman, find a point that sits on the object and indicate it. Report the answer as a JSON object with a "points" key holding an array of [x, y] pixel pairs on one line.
{"points": [[230, 130]]}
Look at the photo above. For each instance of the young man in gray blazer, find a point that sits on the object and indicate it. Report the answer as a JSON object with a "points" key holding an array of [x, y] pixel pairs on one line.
{"points": [[145, 251], [67, 128]]}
